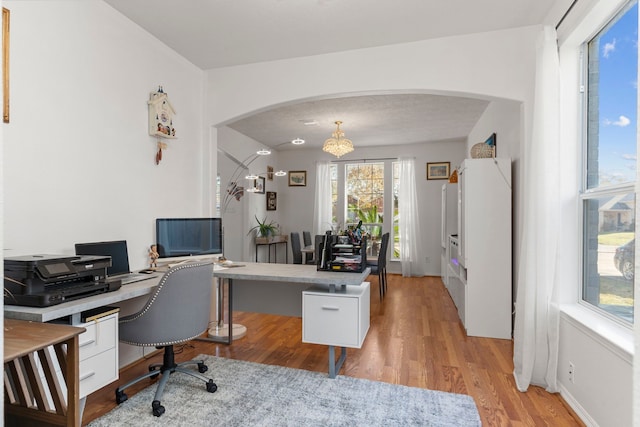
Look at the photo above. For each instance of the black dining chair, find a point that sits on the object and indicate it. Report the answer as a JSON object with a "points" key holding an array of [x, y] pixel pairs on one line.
{"points": [[379, 266], [296, 249]]}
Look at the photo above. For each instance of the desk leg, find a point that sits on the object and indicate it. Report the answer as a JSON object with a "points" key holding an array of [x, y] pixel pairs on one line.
{"points": [[218, 333], [334, 367]]}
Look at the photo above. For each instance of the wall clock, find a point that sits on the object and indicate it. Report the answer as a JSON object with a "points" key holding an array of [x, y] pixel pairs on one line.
{"points": [[161, 114]]}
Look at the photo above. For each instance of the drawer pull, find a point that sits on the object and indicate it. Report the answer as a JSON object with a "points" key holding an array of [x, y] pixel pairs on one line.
{"points": [[87, 375], [330, 307], [86, 343]]}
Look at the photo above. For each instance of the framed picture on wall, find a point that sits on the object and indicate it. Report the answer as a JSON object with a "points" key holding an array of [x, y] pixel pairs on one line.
{"points": [[438, 170], [297, 178], [272, 200], [258, 184]]}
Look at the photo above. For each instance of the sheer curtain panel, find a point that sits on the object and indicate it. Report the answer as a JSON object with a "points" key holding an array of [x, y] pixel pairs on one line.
{"points": [[535, 353], [411, 252], [322, 209]]}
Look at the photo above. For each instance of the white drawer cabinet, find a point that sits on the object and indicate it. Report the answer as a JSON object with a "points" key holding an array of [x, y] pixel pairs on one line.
{"points": [[338, 319], [98, 354]]}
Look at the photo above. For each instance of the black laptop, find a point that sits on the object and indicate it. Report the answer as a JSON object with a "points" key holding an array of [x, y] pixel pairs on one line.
{"points": [[117, 250]]}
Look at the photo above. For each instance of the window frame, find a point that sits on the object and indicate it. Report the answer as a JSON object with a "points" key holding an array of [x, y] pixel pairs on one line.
{"points": [[585, 193], [341, 208]]}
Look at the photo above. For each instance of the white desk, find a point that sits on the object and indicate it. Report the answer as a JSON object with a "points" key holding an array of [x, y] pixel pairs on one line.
{"points": [[335, 282], [290, 273], [75, 307]]}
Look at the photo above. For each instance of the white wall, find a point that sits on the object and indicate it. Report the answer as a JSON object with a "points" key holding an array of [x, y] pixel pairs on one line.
{"points": [[78, 160], [240, 215], [454, 65], [79, 163]]}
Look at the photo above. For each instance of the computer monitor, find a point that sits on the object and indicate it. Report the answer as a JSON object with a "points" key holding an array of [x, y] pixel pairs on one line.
{"points": [[182, 237]]}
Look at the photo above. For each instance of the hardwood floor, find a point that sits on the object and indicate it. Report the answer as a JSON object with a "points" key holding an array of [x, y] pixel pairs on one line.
{"points": [[415, 339]]}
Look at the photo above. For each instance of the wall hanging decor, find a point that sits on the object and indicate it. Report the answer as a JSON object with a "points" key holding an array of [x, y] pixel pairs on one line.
{"points": [[483, 150], [5, 65], [161, 114], [297, 178], [438, 170], [272, 200]]}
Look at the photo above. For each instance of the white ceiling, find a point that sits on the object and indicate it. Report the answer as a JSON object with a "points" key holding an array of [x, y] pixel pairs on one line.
{"points": [[220, 33]]}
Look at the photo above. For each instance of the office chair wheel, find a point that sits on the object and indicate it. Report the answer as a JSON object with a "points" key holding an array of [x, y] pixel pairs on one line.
{"points": [[211, 386], [202, 368], [154, 368], [157, 408], [121, 396]]}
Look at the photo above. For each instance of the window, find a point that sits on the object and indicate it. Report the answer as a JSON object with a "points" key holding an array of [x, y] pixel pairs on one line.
{"points": [[364, 201], [608, 197], [395, 235], [333, 172]]}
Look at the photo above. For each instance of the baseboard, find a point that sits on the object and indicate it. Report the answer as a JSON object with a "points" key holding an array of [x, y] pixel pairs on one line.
{"points": [[577, 408]]}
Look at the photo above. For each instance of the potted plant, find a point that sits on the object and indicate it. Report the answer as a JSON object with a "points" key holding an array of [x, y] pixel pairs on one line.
{"points": [[264, 230]]}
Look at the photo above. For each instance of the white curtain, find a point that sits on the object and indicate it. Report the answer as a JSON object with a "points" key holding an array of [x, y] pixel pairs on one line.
{"points": [[536, 318], [322, 208], [411, 253]]}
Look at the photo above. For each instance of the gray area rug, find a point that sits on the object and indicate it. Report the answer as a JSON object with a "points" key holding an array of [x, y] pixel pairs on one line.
{"points": [[252, 394]]}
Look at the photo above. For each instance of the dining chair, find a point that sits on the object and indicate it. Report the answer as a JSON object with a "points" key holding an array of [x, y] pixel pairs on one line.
{"points": [[379, 266], [306, 238], [296, 249]]}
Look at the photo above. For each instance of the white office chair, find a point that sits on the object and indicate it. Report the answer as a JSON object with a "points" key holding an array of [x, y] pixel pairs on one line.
{"points": [[177, 311]]}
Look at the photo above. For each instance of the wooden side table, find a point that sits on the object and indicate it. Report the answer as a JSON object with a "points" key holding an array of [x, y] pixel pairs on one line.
{"points": [[26, 395]]}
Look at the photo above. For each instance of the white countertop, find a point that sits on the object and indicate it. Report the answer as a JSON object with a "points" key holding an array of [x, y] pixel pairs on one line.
{"points": [[298, 273]]}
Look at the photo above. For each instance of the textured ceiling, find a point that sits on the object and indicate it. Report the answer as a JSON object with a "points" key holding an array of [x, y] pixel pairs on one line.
{"points": [[367, 120], [220, 33]]}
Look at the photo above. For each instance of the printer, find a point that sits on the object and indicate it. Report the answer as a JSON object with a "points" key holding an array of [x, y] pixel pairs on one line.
{"points": [[45, 280]]}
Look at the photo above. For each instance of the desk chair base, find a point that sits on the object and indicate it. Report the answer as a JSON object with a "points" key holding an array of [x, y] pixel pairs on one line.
{"points": [[165, 369]]}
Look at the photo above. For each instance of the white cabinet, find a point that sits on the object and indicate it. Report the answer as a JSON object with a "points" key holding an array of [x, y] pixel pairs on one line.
{"points": [[449, 215], [338, 319], [448, 225], [98, 354], [484, 235]]}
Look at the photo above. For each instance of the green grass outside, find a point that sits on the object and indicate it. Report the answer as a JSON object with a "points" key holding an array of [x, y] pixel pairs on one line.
{"points": [[616, 290], [615, 239]]}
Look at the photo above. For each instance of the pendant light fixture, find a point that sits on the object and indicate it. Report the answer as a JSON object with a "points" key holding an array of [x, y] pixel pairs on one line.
{"points": [[338, 145]]}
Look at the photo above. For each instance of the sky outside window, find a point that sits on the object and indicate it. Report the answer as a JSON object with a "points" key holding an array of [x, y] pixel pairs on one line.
{"points": [[618, 100]]}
